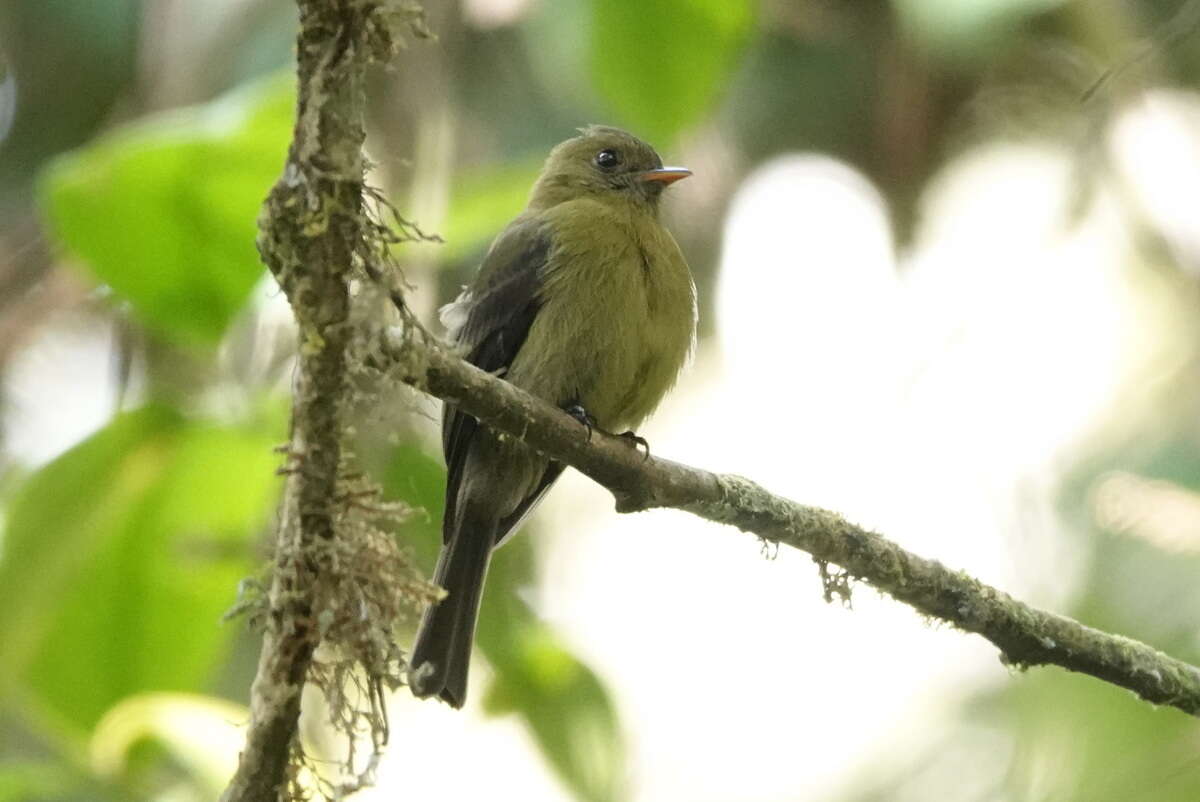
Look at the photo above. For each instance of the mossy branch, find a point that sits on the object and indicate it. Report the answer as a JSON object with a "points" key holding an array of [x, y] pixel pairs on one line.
{"points": [[1024, 635], [313, 232]]}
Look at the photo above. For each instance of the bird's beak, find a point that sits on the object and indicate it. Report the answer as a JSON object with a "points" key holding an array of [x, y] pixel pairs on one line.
{"points": [[665, 175]]}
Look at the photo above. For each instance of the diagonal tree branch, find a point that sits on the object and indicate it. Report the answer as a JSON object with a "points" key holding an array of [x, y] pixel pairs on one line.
{"points": [[1026, 636]]}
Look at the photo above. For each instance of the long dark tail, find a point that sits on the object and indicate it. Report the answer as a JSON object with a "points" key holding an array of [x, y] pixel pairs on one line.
{"points": [[442, 652]]}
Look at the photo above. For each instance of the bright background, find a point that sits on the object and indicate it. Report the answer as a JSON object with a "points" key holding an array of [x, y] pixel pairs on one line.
{"points": [[945, 290]]}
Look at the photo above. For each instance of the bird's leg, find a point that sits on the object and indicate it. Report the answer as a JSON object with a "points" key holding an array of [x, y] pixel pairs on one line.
{"points": [[576, 411], [580, 414], [636, 440]]}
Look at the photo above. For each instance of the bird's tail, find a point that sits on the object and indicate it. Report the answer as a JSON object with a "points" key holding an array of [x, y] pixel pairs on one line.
{"points": [[441, 654]]}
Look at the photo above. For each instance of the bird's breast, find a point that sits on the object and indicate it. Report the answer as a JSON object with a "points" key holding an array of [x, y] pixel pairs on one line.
{"points": [[617, 319]]}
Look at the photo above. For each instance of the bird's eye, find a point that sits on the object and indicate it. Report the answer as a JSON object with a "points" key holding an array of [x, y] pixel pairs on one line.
{"points": [[607, 159]]}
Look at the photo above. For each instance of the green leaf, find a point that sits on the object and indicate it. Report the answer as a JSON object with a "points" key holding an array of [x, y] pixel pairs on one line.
{"points": [[566, 706], [25, 781], [661, 64], [1105, 744], [200, 733], [164, 210], [121, 556], [420, 481]]}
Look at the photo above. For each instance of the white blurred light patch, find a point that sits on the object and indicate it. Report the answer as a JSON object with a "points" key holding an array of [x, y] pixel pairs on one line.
{"points": [[806, 301], [1156, 146], [438, 753], [1022, 313], [59, 388], [1160, 512], [487, 14]]}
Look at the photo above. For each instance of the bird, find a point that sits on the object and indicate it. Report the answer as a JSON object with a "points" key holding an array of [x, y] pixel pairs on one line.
{"points": [[584, 300]]}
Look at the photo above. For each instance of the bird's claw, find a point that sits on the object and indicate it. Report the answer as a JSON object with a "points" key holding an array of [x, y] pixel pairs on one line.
{"points": [[636, 440], [580, 414]]}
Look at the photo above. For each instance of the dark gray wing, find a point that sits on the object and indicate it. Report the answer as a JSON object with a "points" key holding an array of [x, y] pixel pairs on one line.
{"points": [[494, 316]]}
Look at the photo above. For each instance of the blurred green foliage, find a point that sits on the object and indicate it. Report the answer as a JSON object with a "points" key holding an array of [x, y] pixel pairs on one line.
{"points": [[50, 44], [154, 506], [566, 705], [483, 202], [660, 65], [957, 31], [124, 552], [165, 211], [28, 780], [567, 708]]}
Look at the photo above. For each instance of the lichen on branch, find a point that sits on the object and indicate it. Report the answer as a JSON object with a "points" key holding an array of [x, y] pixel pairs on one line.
{"points": [[331, 553], [1025, 636]]}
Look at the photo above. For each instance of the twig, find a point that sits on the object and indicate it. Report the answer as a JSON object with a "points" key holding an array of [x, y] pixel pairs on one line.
{"points": [[1183, 24], [1025, 635]]}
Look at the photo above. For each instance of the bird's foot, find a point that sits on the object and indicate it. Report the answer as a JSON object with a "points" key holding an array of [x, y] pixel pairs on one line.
{"points": [[580, 414], [636, 440]]}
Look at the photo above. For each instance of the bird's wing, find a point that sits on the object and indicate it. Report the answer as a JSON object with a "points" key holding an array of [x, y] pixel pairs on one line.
{"points": [[491, 319]]}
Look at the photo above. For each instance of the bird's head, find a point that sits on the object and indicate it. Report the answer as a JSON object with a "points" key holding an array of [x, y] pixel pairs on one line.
{"points": [[606, 163]]}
